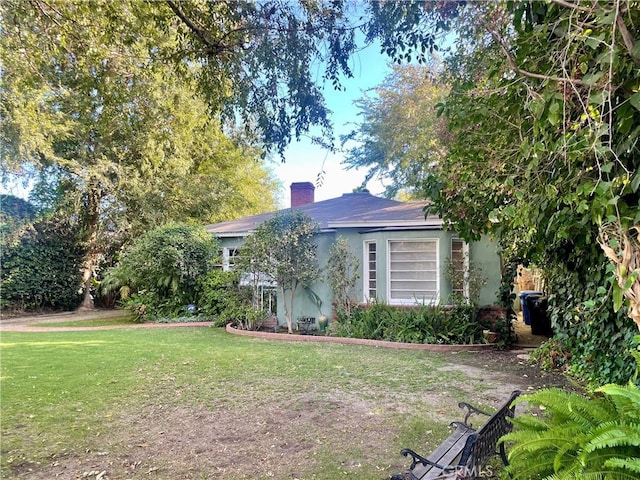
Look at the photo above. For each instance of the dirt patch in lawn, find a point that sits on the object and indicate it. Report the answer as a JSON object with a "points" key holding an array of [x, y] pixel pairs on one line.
{"points": [[283, 438]]}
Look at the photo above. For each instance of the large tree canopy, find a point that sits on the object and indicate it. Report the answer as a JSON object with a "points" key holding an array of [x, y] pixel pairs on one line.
{"points": [[90, 105], [267, 62]]}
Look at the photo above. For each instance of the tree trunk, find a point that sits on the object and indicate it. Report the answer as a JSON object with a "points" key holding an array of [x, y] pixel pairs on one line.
{"points": [[91, 221], [287, 311]]}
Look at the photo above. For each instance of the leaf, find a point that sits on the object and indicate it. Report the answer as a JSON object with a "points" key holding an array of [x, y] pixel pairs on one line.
{"points": [[618, 297], [594, 42], [635, 100], [635, 183], [591, 79], [510, 211]]}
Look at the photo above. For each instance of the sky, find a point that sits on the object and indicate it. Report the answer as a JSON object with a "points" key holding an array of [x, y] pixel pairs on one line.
{"points": [[304, 160]]}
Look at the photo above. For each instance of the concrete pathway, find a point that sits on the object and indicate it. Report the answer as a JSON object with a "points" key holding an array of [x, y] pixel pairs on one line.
{"points": [[37, 323]]}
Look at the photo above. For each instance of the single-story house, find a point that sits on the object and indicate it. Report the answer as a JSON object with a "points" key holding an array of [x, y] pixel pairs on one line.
{"points": [[402, 254]]}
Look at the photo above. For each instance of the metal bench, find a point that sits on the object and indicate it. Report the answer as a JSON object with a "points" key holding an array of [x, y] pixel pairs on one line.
{"points": [[306, 325], [466, 451]]}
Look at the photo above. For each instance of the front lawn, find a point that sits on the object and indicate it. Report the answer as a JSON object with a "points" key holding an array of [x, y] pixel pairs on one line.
{"points": [[196, 403]]}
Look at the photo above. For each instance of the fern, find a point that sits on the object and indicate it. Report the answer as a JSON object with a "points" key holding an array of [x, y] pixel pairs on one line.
{"points": [[614, 435], [632, 464], [626, 398], [577, 437]]}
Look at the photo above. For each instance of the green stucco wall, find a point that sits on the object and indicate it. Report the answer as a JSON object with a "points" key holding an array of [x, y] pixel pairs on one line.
{"points": [[483, 254]]}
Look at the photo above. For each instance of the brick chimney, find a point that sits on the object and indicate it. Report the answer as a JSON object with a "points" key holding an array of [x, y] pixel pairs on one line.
{"points": [[302, 193]]}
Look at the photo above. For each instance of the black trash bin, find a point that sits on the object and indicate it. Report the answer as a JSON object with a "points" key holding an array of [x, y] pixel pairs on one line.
{"points": [[523, 304], [540, 320]]}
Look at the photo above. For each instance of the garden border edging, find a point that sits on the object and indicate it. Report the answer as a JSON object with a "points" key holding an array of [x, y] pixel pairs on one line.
{"points": [[360, 341]]}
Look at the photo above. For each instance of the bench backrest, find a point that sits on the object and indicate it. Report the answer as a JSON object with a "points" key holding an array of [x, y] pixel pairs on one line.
{"points": [[482, 444]]}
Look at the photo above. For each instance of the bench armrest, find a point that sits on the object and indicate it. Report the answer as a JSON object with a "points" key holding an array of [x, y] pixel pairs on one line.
{"points": [[417, 458], [470, 411]]}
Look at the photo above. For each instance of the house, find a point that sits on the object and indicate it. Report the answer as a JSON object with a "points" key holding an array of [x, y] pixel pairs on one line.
{"points": [[402, 254]]}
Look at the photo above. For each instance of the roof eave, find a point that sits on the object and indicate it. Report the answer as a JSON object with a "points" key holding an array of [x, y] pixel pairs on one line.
{"points": [[379, 224]]}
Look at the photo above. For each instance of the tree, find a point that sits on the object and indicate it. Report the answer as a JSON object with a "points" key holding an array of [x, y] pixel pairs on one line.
{"points": [[283, 249], [40, 256], [400, 138], [261, 60], [342, 274], [545, 155], [89, 101]]}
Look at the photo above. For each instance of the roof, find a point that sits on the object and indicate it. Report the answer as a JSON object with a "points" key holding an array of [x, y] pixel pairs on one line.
{"points": [[359, 209]]}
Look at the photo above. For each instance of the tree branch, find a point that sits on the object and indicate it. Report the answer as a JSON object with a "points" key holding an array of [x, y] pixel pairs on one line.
{"points": [[525, 73], [212, 48], [627, 38], [573, 6], [622, 27]]}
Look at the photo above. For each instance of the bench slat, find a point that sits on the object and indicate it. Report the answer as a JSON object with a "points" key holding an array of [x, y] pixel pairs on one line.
{"points": [[448, 453]]}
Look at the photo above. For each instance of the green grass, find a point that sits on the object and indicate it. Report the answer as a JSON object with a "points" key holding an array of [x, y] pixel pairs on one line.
{"points": [[62, 392], [125, 320]]}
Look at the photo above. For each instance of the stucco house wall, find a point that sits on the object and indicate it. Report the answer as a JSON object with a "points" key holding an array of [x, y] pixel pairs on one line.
{"points": [[362, 220]]}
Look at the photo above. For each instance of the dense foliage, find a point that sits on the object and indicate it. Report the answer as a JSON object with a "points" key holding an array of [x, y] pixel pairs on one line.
{"points": [[342, 274], [40, 258], [597, 338], [544, 114], [542, 153], [91, 101], [396, 139], [159, 275], [282, 250], [420, 324], [577, 436]]}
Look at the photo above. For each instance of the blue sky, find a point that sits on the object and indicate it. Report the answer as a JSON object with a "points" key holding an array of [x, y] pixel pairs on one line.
{"points": [[304, 160]]}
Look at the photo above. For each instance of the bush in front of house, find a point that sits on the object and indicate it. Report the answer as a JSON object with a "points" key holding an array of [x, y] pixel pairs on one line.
{"points": [[450, 325], [160, 274]]}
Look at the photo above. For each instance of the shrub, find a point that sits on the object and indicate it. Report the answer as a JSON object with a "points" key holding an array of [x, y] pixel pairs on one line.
{"points": [[584, 322], [160, 273], [342, 273], [40, 265], [578, 436], [419, 324], [218, 291]]}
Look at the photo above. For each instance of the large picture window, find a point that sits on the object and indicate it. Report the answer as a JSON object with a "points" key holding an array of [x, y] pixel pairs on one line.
{"points": [[413, 271]]}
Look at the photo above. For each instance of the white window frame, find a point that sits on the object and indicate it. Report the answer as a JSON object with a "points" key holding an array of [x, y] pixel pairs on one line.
{"points": [[227, 255], [433, 299], [366, 271], [465, 266]]}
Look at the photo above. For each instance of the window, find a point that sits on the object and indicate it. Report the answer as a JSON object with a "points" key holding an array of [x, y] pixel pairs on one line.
{"points": [[370, 271], [413, 271], [229, 255], [460, 259], [457, 260]]}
